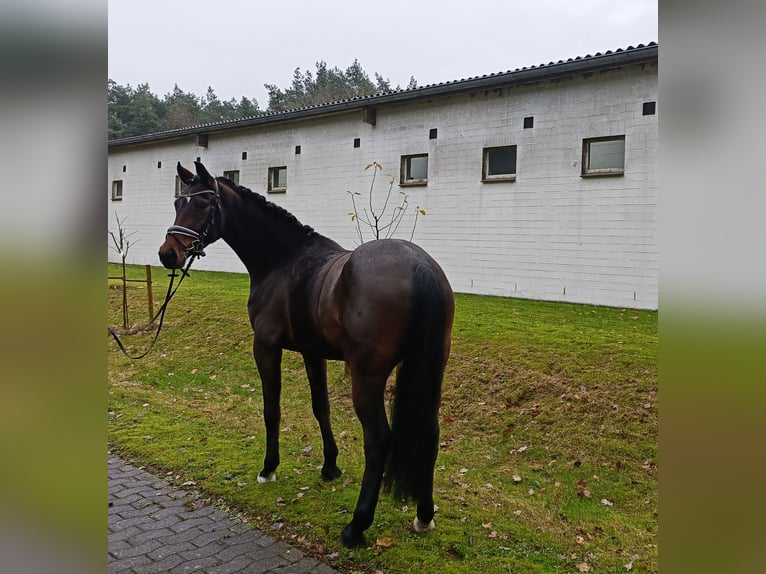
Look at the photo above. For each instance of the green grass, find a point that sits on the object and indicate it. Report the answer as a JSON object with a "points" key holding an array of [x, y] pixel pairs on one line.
{"points": [[549, 419]]}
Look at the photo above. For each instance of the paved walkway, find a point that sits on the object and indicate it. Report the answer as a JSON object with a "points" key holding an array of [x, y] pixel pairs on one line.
{"points": [[156, 528]]}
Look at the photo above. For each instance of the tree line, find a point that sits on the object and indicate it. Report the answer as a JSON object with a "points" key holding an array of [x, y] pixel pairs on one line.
{"points": [[138, 111]]}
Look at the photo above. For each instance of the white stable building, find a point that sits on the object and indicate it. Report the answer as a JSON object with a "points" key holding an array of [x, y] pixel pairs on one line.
{"points": [[539, 182]]}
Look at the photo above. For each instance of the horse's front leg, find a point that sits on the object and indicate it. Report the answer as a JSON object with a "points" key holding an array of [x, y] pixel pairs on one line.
{"points": [[316, 369], [269, 361]]}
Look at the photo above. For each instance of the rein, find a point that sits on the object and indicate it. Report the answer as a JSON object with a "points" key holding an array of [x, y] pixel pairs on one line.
{"points": [[194, 250], [159, 314]]}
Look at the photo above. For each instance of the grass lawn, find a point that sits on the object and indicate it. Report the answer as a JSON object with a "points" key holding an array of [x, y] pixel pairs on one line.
{"points": [[549, 431]]}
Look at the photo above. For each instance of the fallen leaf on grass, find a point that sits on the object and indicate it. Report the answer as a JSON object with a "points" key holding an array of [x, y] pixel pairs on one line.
{"points": [[385, 542], [583, 567], [606, 502], [581, 490], [382, 543]]}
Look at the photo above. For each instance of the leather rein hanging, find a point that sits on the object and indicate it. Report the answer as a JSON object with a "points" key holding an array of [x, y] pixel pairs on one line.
{"points": [[194, 250]]}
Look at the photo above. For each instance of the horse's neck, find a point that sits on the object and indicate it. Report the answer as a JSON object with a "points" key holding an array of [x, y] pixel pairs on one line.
{"points": [[264, 242]]}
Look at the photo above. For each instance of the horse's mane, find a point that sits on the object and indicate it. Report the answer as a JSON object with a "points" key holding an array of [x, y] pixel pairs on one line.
{"points": [[277, 211]]}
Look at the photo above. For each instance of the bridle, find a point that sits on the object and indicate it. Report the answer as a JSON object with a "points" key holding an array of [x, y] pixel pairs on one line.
{"points": [[192, 251], [197, 246]]}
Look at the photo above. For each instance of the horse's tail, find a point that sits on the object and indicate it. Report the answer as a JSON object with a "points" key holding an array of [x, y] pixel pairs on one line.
{"points": [[415, 416]]}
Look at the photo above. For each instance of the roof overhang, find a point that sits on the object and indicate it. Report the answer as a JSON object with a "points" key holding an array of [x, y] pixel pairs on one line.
{"points": [[643, 54]]}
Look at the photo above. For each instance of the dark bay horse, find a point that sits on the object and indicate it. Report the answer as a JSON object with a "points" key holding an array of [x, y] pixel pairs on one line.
{"points": [[386, 303]]}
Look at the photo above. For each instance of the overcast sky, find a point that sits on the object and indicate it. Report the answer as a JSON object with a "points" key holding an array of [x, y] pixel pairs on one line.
{"points": [[236, 46]]}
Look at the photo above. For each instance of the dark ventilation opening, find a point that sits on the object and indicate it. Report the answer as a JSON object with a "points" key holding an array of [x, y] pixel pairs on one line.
{"points": [[650, 108], [529, 122]]}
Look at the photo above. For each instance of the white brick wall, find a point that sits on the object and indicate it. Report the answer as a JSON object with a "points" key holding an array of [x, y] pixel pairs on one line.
{"points": [[551, 234]]}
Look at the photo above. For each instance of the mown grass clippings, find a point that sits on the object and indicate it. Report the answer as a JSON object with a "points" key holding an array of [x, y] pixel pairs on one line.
{"points": [[548, 458]]}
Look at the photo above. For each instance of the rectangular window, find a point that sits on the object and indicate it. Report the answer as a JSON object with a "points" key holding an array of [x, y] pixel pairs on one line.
{"points": [[603, 156], [232, 175], [414, 170], [278, 179], [117, 190], [499, 164]]}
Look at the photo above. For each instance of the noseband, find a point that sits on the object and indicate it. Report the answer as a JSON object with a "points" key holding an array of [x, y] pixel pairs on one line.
{"points": [[196, 248]]}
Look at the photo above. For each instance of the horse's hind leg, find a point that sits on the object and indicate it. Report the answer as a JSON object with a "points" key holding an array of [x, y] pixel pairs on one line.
{"points": [[424, 520], [269, 361], [316, 369], [368, 402]]}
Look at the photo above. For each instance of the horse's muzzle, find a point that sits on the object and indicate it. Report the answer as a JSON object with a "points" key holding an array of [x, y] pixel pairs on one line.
{"points": [[170, 256]]}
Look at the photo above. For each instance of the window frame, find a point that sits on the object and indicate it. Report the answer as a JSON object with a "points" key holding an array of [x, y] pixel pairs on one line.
{"points": [[272, 172], [587, 171], [179, 185], [405, 179], [485, 175], [117, 190], [232, 172]]}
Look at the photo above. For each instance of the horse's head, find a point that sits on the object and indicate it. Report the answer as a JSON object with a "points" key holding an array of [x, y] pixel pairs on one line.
{"points": [[198, 217]]}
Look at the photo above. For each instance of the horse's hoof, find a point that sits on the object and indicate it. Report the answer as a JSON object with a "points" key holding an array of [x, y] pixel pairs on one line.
{"points": [[271, 477], [331, 473], [420, 527], [352, 538]]}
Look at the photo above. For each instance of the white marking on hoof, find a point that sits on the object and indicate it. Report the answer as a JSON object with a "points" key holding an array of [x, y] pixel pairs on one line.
{"points": [[420, 527], [271, 478]]}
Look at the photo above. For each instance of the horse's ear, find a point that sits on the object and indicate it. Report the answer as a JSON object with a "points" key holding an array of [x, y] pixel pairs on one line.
{"points": [[203, 173], [185, 175]]}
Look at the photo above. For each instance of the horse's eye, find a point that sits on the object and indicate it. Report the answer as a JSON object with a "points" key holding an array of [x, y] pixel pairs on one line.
{"points": [[201, 201]]}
